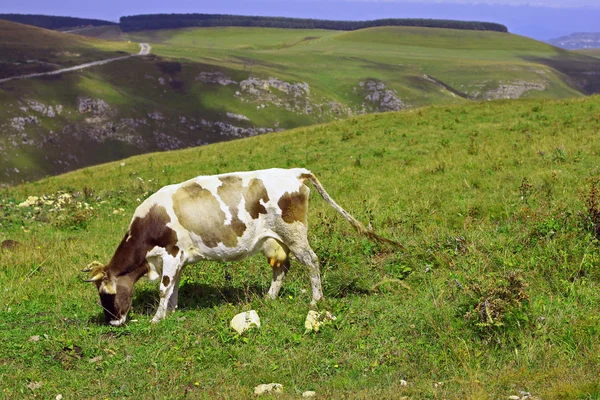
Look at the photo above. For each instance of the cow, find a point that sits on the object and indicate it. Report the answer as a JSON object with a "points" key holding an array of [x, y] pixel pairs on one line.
{"points": [[224, 217]]}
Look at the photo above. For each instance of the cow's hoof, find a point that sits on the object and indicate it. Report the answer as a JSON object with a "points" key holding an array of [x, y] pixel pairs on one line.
{"points": [[118, 322]]}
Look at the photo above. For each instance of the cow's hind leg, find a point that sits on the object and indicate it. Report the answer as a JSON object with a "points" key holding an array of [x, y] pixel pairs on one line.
{"points": [[307, 256], [171, 272], [277, 281]]}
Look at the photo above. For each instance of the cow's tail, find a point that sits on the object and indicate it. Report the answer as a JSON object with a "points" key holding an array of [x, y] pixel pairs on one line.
{"points": [[353, 221]]}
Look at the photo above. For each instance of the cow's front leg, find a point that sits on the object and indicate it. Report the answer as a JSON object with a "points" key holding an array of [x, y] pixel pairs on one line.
{"points": [[172, 305], [169, 281]]}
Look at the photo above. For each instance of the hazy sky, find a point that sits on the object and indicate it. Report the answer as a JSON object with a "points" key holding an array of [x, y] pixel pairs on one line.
{"points": [[540, 19]]}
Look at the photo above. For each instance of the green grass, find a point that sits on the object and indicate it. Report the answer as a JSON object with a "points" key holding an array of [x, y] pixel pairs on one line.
{"points": [[494, 201]]}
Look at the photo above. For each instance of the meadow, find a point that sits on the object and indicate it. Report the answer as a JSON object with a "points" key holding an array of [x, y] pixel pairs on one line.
{"points": [[334, 62], [496, 294]]}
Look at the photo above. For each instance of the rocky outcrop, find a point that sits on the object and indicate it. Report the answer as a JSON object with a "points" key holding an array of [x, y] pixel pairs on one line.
{"points": [[293, 97], [513, 90], [225, 129], [378, 97], [215, 77], [167, 142], [19, 123], [46, 111], [156, 116], [258, 87], [94, 106]]}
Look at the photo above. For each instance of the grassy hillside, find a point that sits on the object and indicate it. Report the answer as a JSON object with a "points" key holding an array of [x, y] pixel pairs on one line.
{"points": [[26, 49], [497, 293], [209, 85], [590, 52], [106, 32]]}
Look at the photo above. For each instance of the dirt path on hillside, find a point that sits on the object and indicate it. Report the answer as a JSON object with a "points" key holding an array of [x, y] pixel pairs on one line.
{"points": [[144, 51]]}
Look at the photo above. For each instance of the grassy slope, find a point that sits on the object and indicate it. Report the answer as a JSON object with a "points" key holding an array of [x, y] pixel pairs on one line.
{"points": [[20, 43], [476, 192], [106, 32], [589, 52], [399, 56], [333, 63]]}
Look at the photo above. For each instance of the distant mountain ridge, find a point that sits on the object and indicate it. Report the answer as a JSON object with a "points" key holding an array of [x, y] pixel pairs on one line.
{"points": [[580, 40]]}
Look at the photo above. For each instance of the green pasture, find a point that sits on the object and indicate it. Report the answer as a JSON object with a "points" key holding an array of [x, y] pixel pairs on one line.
{"points": [[497, 292], [333, 61]]}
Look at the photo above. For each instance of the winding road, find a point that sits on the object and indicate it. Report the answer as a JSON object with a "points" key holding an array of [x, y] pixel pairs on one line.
{"points": [[144, 51]]}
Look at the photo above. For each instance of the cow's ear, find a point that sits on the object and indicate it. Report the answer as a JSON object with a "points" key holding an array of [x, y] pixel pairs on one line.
{"points": [[97, 274], [108, 285]]}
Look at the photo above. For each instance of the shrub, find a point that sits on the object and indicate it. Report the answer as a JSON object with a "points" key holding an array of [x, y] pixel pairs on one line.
{"points": [[496, 305]]}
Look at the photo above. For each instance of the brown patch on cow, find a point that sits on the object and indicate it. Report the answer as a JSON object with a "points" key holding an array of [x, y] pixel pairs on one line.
{"points": [[253, 194], [166, 280], [200, 212], [144, 234], [230, 192], [294, 206], [172, 250]]}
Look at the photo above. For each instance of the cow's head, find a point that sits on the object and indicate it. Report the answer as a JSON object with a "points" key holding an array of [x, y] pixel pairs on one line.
{"points": [[116, 293]]}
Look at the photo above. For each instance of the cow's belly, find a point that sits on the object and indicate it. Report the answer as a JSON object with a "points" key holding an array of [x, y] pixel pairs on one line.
{"points": [[246, 246]]}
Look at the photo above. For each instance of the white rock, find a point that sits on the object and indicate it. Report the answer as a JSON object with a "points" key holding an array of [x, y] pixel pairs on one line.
{"points": [[268, 388], [403, 382], [309, 393], [244, 321], [514, 398], [314, 320]]}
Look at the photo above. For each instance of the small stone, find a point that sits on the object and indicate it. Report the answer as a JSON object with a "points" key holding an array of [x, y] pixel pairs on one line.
{"points": [[35, 338], [514, 398], [244, 321], [314, 320], [309, 393], [59, 397], [34, 385], [268, 388], [403, 382], [95, 359]]}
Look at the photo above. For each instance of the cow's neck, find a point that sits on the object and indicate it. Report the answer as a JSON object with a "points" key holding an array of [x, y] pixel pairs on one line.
{"points": [[129, 261]]}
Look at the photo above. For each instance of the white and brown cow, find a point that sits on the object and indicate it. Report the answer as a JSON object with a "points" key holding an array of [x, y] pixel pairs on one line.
{"points": [[222, 217]]}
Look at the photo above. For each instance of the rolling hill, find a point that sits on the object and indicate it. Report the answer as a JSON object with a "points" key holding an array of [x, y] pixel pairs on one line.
{"points": [[205, 85], [27, 49], [497, 294]]}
